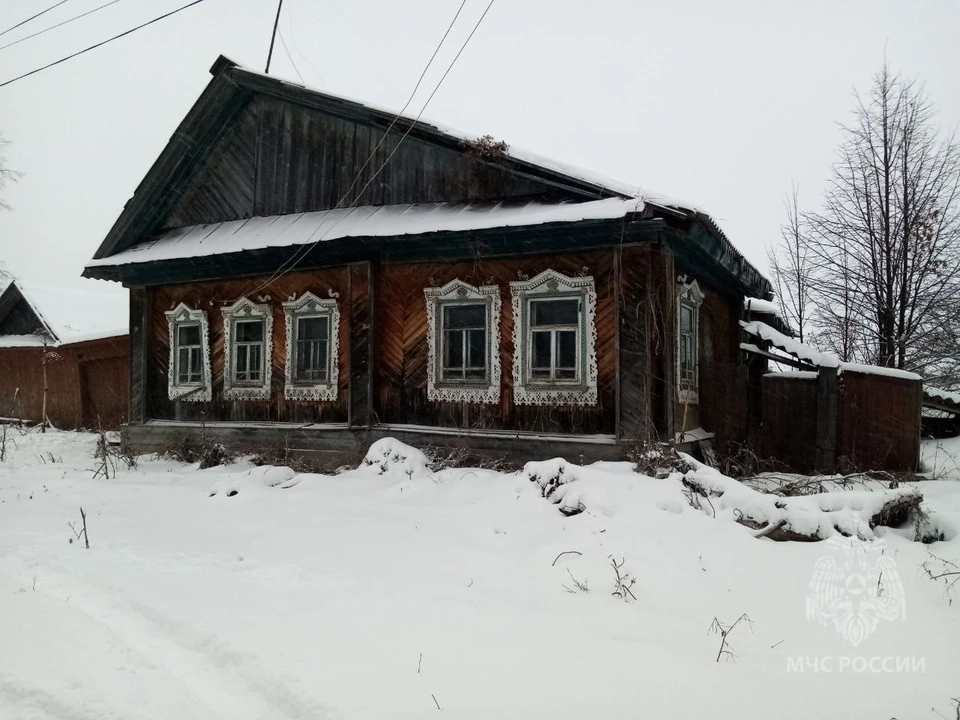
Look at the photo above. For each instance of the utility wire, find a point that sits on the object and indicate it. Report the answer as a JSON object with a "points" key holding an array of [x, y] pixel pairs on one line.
{"points": [[33, 17], [53, 27], [290, 264], [101, 44], [289, 57]]}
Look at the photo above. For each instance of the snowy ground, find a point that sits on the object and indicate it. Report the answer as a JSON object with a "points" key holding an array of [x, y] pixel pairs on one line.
{"points": [[372, 595]]}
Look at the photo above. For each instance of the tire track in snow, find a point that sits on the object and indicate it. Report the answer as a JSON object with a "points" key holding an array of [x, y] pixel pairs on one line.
{"points": [[215, 677]]}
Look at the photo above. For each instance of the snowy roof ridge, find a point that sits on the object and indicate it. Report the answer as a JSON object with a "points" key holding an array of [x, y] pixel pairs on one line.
{"points": [[363, 221]]}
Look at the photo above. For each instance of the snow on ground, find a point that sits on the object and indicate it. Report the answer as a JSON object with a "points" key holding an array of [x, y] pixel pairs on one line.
{"points": [[254, 592]]}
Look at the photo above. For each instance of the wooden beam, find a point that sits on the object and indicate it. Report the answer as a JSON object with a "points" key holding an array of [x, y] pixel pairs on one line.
{"points": [[828, 391], [139, 312], [361, 300]]}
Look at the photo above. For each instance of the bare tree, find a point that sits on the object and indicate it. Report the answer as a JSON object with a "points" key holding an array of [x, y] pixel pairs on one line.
{"points": [[885, 248], [791, 268], [7, 175]]}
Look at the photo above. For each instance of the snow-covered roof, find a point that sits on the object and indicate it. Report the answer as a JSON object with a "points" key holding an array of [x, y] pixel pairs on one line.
{"points": [[815, 357], [757, 305], [71, 314], [951, 398], [365, 221]]}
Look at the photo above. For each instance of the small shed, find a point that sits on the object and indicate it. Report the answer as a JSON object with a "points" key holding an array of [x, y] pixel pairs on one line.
{"points": [[74, 343]]}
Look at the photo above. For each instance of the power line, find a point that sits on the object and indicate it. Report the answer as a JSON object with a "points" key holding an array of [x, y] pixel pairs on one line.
{"points": [[53, 27], [290, 264], [33, 17], [289, 57], [101, 44]]}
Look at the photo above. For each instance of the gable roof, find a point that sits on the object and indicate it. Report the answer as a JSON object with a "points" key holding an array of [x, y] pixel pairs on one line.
{"points": [[36, 313], [156, 205]]}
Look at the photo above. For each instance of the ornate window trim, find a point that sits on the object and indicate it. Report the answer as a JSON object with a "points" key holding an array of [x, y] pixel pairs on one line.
{"points": [[244, 309], [190, 392], [551, 283], [439, 390], [310, 305], [689, 294]]}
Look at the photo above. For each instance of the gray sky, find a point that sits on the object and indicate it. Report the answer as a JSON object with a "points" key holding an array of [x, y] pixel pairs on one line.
{"points": [[723, 104]]}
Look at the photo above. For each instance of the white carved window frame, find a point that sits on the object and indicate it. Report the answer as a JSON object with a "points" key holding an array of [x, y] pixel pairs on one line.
{"points": [[246, 309], [689, 295], [309, 305], [548, 285], [459, 292], [191, 392]]}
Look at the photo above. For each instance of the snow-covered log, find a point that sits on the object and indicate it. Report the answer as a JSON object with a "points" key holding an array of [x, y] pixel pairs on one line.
{"points": [[804, 518]]}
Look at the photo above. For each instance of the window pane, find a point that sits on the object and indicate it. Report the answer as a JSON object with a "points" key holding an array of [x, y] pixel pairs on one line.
{"points": [[464, 316], [315, 328], [241, 360], [476, 349], [188, 335], [196, 369], [686, 318], [254, 360], [555, 312], [540, 355], [566, 349], [249, 331], [183, 365], [453, 349]]}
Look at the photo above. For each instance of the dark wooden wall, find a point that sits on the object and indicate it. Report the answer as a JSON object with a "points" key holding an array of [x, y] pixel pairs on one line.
{"points": [[213, 297], [20, 319], [88, 380], [280, 158], [723, 375], [878, 421], [400, 344], [789, 431]]}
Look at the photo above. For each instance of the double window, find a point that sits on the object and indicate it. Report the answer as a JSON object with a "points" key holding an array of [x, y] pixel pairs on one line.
{"points": [[312, 367], [463, 361], [554, 330], [689, 299], [189, 364]]}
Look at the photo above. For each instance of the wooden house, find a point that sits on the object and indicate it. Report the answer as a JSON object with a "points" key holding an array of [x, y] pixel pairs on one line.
{"points": [[71, 344], [312, 272]]}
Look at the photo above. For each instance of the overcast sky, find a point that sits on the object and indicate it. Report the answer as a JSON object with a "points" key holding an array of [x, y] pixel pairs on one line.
{"points": [[722, 104]]}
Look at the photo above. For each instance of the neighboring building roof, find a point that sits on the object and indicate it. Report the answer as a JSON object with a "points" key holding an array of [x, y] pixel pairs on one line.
{"points": [[147, 212], [62, 315], [366, 221]]}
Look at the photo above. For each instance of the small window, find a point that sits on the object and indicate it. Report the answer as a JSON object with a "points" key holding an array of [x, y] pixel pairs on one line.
{"points": [[188, 375], [554, 340], [312, 365], [464, 342], [247, 334], [463, 337], [189, 354], [248, 352], [689, 299], [554, 327], [312, 349]]}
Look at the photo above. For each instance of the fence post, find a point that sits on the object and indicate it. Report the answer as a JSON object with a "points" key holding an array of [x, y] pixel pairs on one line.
{"points": [[828, 387]]}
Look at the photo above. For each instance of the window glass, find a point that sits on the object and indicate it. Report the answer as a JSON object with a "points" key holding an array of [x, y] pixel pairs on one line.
{"points": [[555, 312], [313, 328], [188, 335], [464, 338], [249, 331], [313, 347]]}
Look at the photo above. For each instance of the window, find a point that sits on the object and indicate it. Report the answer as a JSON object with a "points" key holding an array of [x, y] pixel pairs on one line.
{"points": [[247, 339], [463, 335], [188, 372], [689, 299], [247, 352], [312, 365], [554, 333]]}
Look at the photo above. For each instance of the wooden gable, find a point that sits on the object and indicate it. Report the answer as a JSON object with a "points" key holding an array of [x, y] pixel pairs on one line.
{"points": [[17, 315], [279, 157]]}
